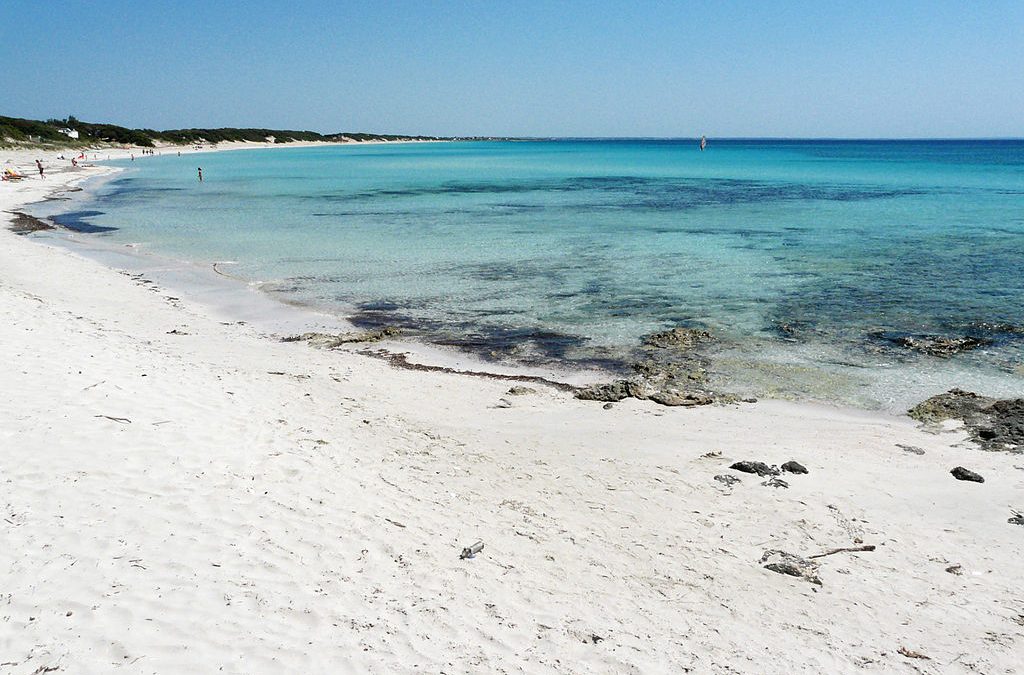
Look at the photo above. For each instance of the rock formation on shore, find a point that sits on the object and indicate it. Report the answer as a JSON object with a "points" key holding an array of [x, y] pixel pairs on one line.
{"points": [[995, 424]]}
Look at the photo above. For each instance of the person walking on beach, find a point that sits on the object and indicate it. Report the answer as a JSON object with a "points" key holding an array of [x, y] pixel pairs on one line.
{"points": [[200, 174], [39, 165]]}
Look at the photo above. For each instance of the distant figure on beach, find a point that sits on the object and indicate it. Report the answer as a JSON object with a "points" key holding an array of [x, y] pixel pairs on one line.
{"points": [[703, 143], [39, 165], [200, 174]]}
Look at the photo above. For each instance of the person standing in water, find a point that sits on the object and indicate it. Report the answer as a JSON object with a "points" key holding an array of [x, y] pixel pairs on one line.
{"points": [[703, 143], [200, 174]]}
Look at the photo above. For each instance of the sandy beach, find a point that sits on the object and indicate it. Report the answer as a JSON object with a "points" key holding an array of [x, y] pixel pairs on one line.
{"points": [[186, 493]]}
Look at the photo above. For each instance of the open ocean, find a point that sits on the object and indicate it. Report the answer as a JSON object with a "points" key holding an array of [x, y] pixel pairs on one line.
{"points": [[808, 260]]}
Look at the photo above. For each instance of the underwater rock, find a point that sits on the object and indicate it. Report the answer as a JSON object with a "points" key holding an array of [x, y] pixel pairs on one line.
{"points": [[679, 338], [938, 345], [944, 346]]}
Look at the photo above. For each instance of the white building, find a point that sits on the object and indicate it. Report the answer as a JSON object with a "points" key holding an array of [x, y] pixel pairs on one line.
{"points": [[70, 133]]}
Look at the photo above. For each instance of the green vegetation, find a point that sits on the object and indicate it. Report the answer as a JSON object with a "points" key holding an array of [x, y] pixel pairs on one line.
{"points": [[17, 131]]}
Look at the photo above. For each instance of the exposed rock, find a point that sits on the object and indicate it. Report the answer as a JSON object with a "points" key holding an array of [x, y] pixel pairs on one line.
{"points": [[794, 467], [608, 406], [1016, 519], [621, 389], [668, 374], [775, 483], [912, 449], [681, 398], [678, 338], [961, 473], [793, 565], [727, 480], [994, 424], [521, 391], [610, 391], [689, 370], [760, 468], [954, 404], [330, 341], [937, 345]]}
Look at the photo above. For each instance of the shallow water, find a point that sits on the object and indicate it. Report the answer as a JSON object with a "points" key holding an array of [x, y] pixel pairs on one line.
{"points": [[805, 258]]}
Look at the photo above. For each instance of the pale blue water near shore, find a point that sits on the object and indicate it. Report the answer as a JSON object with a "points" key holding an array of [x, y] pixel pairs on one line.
{"points": [[805, 259]]}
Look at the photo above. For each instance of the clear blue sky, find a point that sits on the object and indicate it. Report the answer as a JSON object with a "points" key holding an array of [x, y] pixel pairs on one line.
{"points": [[809, 69]]}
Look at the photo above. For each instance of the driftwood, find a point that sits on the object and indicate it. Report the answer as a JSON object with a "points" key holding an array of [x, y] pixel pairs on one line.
{"points": [[852, 549], [122, 420], [913, 655]]}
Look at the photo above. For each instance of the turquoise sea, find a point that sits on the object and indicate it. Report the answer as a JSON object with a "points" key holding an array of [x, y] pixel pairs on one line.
{"points": [[808, 260]]}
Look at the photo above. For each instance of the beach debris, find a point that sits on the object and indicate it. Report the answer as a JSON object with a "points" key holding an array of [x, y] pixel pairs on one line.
{"points": [[727, 480], [955, 569], [794, 467], [760, 468], [332, 340], [608, 406], [677, 338], [775, 483], [937, 345], [471, 551], [960, 473], [1016, 519], [912, 449], [994, 424], [594, 639], [122, 420], [503, 403], [395, 523], [22, 223], [175, 331], [913, 655], [844, 549], [520, 391], [790, 564], [713, 454]]}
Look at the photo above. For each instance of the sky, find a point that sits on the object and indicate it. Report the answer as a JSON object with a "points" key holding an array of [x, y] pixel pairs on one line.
{"points": [[523, 68]]}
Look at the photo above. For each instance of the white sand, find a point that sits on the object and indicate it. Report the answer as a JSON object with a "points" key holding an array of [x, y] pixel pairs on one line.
{"points": [[250, 522]]}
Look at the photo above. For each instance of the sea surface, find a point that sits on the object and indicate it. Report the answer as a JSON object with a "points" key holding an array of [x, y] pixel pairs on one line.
{"points": [[807, 260]]}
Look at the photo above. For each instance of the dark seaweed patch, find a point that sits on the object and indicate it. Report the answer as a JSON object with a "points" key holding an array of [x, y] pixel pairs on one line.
{"points": [[77, 221]]}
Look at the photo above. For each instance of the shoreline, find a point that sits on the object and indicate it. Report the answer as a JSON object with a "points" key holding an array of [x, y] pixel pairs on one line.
{"points": [[186, 493]]}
